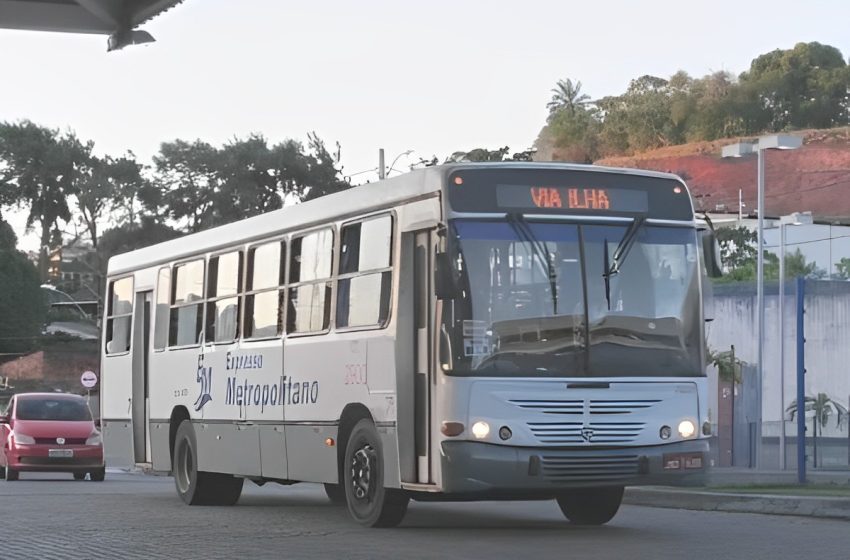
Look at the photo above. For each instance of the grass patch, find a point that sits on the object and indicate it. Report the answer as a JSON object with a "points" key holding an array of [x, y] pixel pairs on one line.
{"points": [[825, 490]]}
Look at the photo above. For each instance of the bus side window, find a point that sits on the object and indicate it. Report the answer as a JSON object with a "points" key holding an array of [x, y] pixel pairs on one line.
{"points": [[310, 265], [187, 312], [365, 273], [223, 289], [265, 292], [119, 316], [163, 290]]}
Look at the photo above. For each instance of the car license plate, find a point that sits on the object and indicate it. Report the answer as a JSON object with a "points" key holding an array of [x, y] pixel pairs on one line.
{"points": [[60, 453]]}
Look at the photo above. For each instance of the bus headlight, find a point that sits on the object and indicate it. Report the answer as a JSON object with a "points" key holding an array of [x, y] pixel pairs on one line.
{"points": [[481, 429], [687, 428]]}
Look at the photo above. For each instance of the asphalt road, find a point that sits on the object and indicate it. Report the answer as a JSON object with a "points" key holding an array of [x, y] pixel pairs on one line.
{"points": [[136, 516]]}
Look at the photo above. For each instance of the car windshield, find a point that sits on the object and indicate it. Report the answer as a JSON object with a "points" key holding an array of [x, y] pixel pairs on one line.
{"points": [[558, 299], [73, 410]]}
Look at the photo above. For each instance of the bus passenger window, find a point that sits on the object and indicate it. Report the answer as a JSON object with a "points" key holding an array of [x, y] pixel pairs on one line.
{"points": [[365, 273], [265, 295], [187, 310], [119, 316], [163, 286], [310, 265], [223, 287]]}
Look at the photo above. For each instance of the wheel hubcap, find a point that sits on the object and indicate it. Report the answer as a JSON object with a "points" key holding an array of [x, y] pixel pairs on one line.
{"points": [[362, 463]]}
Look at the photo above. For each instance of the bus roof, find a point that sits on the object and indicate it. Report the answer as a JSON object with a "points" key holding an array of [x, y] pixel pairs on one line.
{"points": [[350, 202]]}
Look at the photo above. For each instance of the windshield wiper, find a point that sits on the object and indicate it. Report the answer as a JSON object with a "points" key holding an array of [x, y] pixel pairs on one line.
{"points": [[620, 254], [520, 226]]}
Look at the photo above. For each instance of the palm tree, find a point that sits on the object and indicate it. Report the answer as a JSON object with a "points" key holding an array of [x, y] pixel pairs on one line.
{"points": [[566, 95], [822, 407]]}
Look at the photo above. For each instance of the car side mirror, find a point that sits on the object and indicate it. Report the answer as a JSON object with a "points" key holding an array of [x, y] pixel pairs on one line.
{"points": [[4, 419], [97, 423]]}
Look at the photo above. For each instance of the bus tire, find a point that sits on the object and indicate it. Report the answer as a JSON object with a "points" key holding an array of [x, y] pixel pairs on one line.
{"points": [[198, 488], [369, 503], [591, 506], [336, 493]]}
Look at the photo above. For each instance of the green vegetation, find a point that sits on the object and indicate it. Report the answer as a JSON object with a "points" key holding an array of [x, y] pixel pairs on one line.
{"points": [[22, 305], [802, 87], [192, 186]]}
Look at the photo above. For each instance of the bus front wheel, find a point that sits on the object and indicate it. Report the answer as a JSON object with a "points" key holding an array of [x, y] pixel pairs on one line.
{"points": [[198, 488], [369, 503], [591, 506]]}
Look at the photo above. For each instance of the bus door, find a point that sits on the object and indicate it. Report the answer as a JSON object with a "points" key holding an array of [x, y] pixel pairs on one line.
{"points": [[423, 313], [140, 396]]}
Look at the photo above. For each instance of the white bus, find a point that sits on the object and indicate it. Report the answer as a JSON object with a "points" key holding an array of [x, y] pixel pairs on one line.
{"points": [[464, 332]]}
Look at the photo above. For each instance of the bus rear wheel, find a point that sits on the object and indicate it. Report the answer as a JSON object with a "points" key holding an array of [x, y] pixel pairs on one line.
{"points": [[198, 488], [591, 506], [369, 503]]}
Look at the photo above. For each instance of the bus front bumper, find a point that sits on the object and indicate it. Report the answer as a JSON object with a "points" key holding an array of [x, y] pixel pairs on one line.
{"points": [[470, 467]]}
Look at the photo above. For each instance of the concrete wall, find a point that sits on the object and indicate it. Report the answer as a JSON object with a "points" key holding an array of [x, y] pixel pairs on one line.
{"points": [[827, 325]]}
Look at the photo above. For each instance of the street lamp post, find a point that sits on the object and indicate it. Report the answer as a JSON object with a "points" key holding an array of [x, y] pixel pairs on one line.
{"points": [[795, 219], [764, 143]]}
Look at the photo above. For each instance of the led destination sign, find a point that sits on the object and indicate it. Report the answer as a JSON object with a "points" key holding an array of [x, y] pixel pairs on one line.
{"points": [[571, 198], [547, 190]]}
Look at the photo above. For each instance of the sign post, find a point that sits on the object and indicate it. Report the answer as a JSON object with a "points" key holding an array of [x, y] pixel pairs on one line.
{"points": [[89, 380]]}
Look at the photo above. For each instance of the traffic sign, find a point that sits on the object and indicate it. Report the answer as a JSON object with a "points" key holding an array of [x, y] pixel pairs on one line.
{"points": [[88, 379]]}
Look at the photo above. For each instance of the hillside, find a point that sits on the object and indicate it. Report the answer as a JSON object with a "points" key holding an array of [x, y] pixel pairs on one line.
{"points": [[815, 177]]}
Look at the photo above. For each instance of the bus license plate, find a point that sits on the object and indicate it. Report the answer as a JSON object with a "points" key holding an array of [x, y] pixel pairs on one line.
{"points": [[60, 453]]}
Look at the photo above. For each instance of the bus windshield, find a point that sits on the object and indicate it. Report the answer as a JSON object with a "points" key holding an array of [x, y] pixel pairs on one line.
{"points": [[559, 299]]}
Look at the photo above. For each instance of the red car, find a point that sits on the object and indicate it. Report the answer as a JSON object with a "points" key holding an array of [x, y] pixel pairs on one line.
{"points": [[50, 432]]}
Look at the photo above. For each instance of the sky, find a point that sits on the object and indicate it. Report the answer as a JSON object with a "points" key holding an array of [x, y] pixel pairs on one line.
{"points": [[433, 77]]}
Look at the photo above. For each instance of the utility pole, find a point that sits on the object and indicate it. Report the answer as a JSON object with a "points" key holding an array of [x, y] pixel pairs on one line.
{"points": [[382, 170], [740, 204]]}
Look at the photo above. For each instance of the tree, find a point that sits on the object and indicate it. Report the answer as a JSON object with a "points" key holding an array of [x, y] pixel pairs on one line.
{"points": [[129, 237], [201, 186], [188, 179], [8, 239], [822, 408], [22, 304], [566, 96], [728, 365], [132, 191], [737, 246], [479, 154], [42, 166], [842, 269], [802, 87]]}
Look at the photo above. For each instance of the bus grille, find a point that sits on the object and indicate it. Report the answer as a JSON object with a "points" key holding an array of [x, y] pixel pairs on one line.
{"points": [[551, 406], [572, 433], [587, 467], [594, 407], [620, 406]]}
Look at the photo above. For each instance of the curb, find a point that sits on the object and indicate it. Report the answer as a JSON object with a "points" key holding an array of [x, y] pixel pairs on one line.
{"points": [[770, 504]]}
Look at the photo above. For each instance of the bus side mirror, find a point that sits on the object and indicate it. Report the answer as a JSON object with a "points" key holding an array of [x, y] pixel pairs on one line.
{"points": [[445, 286], [711, 254]]}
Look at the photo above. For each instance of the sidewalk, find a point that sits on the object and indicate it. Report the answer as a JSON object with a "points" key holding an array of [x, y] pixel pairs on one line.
{"points": [[719, 494]]}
